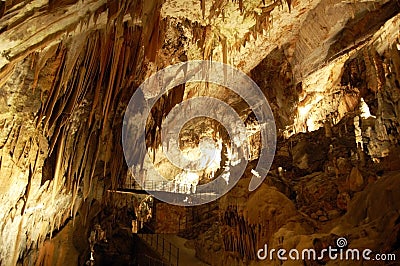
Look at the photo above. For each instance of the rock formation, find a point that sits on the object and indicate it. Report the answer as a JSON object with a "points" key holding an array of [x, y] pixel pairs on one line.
{"points": [[330, 70]]}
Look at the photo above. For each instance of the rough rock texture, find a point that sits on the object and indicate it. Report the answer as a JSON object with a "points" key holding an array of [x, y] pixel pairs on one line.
{"points": [[294, 209], [329, 68], [54, 76], [168, 218]]}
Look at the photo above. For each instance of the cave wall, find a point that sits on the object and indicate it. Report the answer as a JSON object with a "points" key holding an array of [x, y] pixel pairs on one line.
{"points": [[336, 161], [68, 69]]}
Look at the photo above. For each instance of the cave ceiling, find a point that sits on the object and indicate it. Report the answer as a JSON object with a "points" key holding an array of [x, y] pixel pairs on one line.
{"points": [[68, 69]]}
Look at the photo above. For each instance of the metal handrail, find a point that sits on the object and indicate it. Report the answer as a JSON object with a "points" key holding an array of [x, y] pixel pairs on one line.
{"points": [[165, 248], [190, 221], [168, 186], [154, 262], [159, 185]]}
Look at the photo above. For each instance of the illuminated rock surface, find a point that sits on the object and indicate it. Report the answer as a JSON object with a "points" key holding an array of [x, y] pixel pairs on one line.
{"points": [[330, 70]]}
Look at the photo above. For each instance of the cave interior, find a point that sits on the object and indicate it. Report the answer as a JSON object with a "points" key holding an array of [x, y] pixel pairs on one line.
{"points": [[329, 71]]}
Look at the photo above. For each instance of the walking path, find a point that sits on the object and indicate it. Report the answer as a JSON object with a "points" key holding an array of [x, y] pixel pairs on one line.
{"points": [[187, 255]]}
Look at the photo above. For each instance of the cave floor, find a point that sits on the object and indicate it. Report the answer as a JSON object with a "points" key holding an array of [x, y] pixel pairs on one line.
{"points": [[186, 255]]}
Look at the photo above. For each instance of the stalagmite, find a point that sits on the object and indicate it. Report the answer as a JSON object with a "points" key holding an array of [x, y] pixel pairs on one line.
{"points": [[69, 68]]}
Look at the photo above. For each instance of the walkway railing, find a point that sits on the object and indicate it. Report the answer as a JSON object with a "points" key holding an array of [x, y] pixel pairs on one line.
{"points": [[154, 185], [154, 262], [168, 251], [197, 215], [171, 187]]}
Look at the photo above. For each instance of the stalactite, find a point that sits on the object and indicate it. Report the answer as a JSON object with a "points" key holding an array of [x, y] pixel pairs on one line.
{"points": [[55, 137], [102, 66], [289, 3], [241, 236], [48, 107], [203, 8], [27, 190], [41, 62], [92, 160], [86, 82], [224, 51], [208, 42], [379, 71], [58, 171], [114, 66], [217, 8], [150, 38], [86, 165], [77, 157], [74, 203]]}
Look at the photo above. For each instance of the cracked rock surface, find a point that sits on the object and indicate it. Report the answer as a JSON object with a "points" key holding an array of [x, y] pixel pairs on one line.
{"points": [[330, 70]]}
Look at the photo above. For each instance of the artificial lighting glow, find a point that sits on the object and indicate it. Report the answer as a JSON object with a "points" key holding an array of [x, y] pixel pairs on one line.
{"points": [[186, 182], [365, 113], [207, 154]]}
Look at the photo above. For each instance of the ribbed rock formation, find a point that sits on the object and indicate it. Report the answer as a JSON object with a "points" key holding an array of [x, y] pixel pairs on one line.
{"points": [[330, 70]]}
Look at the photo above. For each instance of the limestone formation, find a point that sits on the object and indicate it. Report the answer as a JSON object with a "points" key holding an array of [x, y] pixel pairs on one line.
{"points": [[330, 70]]}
